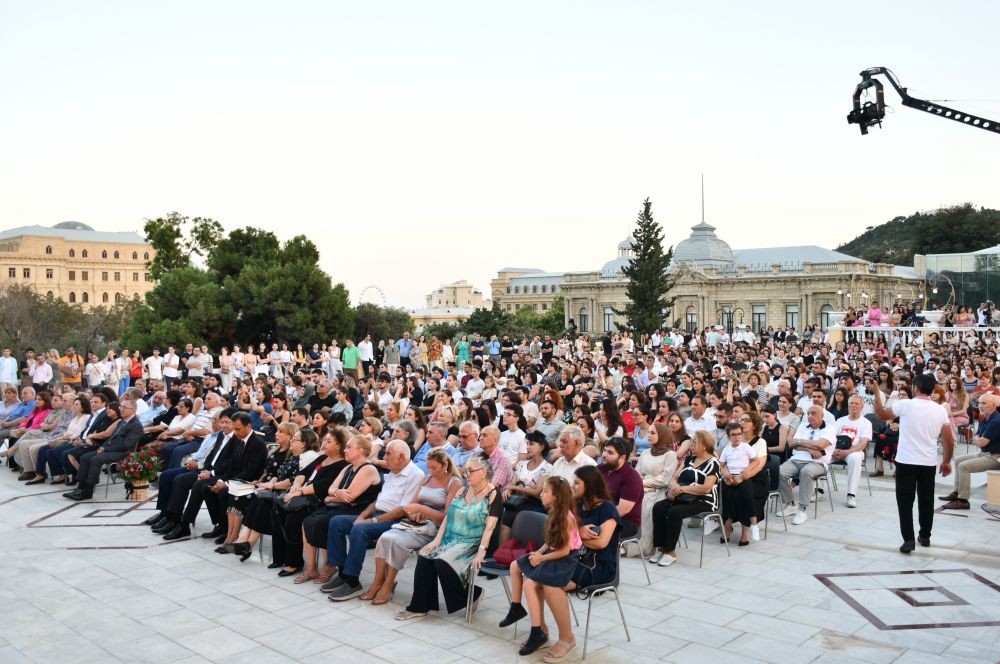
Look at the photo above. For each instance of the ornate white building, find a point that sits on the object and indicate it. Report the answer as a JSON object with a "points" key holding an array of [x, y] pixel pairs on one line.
{"points": [[714, 284]]}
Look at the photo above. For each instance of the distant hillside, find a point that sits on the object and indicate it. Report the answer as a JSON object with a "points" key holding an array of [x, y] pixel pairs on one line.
{"points": [[956, 229]]}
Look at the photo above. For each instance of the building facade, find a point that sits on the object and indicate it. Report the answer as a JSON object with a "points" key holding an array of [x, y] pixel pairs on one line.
{"points": [[75, 263], [449, 303], [715, 285]]}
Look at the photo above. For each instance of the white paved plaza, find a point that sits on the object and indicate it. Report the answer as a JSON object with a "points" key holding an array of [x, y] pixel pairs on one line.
{"points": [[84, 583]]}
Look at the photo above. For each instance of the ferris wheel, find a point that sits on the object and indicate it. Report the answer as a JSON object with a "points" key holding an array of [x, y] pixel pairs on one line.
{"points": [[373, 294]]}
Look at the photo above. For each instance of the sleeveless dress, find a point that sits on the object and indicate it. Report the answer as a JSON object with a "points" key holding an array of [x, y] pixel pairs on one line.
{"points": [[464, 531], [395, 545]]}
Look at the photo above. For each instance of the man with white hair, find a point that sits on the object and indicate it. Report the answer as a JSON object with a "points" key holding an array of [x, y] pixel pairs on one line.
{"points": [[988, 457], [571, 454], [468, 436], [399, 488], [812, 449], [852, 433]]}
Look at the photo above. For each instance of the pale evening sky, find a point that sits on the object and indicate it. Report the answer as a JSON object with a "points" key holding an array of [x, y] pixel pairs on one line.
{"points": [[422, 142]]}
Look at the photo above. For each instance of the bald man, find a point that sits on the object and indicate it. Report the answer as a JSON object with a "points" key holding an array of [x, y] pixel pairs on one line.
{"points": [[812, 450]]}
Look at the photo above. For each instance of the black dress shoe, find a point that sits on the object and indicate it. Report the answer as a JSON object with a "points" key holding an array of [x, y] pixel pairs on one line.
{"points": [[222, 550], [183, 530], [153, 519], [285, 572], [165, 527], [908, 546], [163, 520], [218, 530], [70, 481], [72, 495], [275, 565], [220, 539], [924, 541], [78, 496], [242, 549]]}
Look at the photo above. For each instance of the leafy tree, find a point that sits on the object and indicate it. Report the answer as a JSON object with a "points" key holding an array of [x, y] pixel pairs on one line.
{"points": [[240, 247], [649, 282], [380, 322], [485, 322], [177, 239]]}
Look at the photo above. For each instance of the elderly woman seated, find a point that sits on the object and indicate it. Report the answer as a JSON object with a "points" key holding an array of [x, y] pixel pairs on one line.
{"points": [[460, 544], [423, 518]]}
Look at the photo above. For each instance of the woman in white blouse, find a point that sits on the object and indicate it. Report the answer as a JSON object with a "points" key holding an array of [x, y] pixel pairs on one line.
{"points": [[656, 466]]}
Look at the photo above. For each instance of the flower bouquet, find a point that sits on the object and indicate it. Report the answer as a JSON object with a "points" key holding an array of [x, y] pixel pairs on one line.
{"points": [[138, 469]]}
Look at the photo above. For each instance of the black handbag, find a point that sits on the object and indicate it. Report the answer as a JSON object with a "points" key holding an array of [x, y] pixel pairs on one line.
{"points": [[844, 443]]}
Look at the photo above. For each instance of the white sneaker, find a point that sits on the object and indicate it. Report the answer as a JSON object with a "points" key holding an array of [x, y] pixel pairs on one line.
{"points": [[754, 533], [799, 518], [667, 560], [852, 501], [710, 526], [656, 557], [790, 510]]}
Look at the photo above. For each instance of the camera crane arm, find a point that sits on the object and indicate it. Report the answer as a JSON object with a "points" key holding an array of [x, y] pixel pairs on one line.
{"points": [[870, 113]]}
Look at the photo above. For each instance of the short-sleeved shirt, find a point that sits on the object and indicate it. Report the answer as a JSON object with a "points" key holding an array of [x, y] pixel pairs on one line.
{"points": [[513, 444], [566, 468], [920, 423], [695, 474], [625, 483], [806, 432], [853, 429], [990, 429]]}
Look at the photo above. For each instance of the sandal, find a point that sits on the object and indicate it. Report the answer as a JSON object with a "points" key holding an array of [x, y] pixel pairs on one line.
{"points": [[304, 578], [551, 656], [368, 595], [381, 599]]}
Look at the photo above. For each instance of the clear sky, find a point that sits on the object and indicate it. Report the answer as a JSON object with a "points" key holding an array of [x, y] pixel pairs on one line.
{"points": [[423, 142]]}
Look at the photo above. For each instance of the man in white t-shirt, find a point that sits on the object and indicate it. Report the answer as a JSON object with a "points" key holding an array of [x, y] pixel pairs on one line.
{"points": [[366, 352], [812, 449], [154, 365], [513, 441], [921, 421], [171, 363], [858, 429], [475, 385]]}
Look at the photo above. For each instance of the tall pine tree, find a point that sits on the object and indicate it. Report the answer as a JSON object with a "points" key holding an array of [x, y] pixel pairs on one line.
{"points": [[649, 283]]}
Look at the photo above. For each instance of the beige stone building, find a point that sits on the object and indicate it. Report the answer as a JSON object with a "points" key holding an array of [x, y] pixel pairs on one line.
{"points": [[74, 262], [449, 303], [714, 284]]}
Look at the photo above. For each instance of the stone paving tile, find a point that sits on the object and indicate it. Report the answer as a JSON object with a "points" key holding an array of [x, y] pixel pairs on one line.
{"points": [[299, 641]]}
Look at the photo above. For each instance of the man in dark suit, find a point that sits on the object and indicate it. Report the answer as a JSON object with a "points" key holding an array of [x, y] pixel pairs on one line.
{"points": [[88, 440], [243, 460], [178, 482], [118, 446]]}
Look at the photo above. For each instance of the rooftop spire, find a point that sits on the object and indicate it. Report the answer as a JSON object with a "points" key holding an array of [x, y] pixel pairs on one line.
{"points": [[702, 198]]}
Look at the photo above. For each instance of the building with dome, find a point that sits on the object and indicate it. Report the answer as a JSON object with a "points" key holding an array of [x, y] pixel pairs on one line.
{"points": [[715, 284], [76, 263]]}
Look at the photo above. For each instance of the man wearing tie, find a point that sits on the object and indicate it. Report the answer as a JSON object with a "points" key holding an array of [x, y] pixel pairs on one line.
{"points": [[245, 458], [99, 421], [122, 441], [202, 459]]}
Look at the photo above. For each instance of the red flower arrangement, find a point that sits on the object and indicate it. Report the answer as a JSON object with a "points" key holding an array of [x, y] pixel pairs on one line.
{"points": [[140, 467]]}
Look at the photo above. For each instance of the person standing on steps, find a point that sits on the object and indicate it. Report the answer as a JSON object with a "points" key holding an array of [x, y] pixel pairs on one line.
{"points": [[921, 421]]}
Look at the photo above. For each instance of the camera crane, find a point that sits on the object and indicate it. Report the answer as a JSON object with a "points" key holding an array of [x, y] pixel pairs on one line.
{"points": [[869, 114]]}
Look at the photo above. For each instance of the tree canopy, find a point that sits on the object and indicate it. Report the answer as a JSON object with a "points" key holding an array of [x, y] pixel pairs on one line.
{"points": [[253, 288], [648, 280]]}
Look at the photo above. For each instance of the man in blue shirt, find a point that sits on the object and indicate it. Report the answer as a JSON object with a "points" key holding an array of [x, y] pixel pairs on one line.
{"points": [[20, 411], [437, 437], [988, 457], [493, 349], [405, 345]]}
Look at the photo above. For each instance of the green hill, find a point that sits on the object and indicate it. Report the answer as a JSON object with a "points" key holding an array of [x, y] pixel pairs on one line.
{"points": [[955, 229]]}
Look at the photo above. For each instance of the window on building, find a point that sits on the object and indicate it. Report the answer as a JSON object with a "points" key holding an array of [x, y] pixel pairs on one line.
{"points": [[104, 254], [583, 319], [792, 316], [824, 316], [544, 287], [609, 319], [534, 289], [691, 320], [118, 276], [545, 306], [135, 255], [726, 316], [508, 307], [12, 272], [517, 289], [49, 295], [116, 256], [72, 275], [149, 277], [104, 276], [104, 297], [145, 256], [119, 297], [26, 272], [83, 254], [49, 273], [517, 307], [72, 298], [508, 290], [85, 297], [758, 317], [72, 253], [83, 275], [48, 250]]}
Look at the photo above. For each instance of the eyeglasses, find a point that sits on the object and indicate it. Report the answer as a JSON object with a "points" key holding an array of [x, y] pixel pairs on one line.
{"points": [[744, 420], [467, 472]]}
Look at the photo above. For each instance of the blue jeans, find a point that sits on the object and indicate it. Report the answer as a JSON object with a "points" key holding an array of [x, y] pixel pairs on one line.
{"points": [[123, 384], [350, 561]]}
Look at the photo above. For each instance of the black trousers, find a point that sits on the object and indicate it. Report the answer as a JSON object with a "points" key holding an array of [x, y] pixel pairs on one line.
{"points": [[668, 518], [200, 490], [428, 574], [91, 463], [737, 502], [915, 481], [286, 536], [317, 525]]}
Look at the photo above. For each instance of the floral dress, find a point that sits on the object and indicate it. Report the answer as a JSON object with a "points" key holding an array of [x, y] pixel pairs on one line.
{"points": [[463, 533]]}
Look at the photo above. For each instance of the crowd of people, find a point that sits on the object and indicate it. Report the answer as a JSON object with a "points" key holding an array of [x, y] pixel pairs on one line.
{"points": [[434, 447]]}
